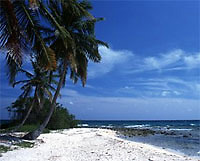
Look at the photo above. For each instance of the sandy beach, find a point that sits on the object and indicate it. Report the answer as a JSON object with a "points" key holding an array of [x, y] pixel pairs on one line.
{"points": [[89, 144]]}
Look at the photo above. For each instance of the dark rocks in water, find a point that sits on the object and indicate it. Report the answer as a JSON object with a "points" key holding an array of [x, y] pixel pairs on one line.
{"points": [[185, 136], [166, 133], [174, 133], [162, 132], [130, 132]]}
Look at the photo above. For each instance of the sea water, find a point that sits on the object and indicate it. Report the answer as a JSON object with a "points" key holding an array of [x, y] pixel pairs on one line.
{"points": [[178, 135]]}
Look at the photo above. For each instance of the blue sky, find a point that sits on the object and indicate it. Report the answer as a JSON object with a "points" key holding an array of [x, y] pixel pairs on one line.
{"points": [[151, 70]]}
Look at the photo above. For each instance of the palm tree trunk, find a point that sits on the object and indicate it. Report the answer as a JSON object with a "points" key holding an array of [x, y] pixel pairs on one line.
{"points": [[26, 116], [34, 134]]}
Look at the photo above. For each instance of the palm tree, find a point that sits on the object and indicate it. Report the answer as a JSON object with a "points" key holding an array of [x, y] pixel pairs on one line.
{"points": [[69, 39], [21, 31], [74, 44], [40, 81]]}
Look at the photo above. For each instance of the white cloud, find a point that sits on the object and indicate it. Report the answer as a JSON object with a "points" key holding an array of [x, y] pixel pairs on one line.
{"points": [[110, 59], [165, 93], [163, 60], [69, 92], [124, 61], [192, 61], [173, 60], [128, 87], [163, 86], [152, 63], [177, 93], [170, 93], [89, 86]]}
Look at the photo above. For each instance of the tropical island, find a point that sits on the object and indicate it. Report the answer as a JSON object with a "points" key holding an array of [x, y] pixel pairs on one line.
{"points": [[51, 46]]}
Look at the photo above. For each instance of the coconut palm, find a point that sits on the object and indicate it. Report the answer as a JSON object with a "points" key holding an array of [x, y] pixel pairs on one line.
{"points": [[69, 39], [22, 32], [39, 81], [74, 44]]}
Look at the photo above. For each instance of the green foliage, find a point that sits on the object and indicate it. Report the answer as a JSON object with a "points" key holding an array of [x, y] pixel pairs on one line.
{"points": [[4, 149], [61, 118], [8, 125], [18, 109], [31, 127], [24, 128], [25, 144]]}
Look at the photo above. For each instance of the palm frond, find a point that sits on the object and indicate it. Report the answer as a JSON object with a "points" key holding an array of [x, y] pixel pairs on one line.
{"points": [[82, 67], [28, 74], [27, 90], [11, 38], [39, 44], [18, 82], [12, 69]]}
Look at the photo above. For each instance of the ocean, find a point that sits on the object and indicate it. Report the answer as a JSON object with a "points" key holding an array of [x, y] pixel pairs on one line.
{"points": [[182, 136]]}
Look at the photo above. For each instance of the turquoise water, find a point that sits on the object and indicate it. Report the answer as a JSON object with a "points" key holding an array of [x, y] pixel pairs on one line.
{"points": [[182, 135]]}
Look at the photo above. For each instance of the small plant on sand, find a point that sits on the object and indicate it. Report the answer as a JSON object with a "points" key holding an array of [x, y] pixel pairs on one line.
{"points": [[4, 149], [25, 144]]}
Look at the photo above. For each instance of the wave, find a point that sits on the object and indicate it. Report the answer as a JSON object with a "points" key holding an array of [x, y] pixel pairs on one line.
{"points": [[82, 125], [137, 126], [179, 129], [106, 126]]}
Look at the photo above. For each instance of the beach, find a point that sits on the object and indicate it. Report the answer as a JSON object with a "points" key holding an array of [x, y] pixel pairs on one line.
{"points": [[90, 144]]}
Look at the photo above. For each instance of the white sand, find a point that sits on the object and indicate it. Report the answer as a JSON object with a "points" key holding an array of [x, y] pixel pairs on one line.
{"points": [[86, 144]]}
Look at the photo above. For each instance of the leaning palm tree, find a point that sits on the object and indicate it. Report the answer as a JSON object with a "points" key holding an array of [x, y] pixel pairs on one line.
{"points": [[74, 43], [21, 31], [39, 81]]}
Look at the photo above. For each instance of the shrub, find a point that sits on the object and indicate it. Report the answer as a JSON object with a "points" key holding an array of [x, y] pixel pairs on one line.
{"points": [[61, 118]]}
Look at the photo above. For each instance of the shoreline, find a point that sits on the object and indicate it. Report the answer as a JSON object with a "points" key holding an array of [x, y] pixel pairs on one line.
{"points": [[181, 136], [146, 136], [89, 144], [146, 133]]}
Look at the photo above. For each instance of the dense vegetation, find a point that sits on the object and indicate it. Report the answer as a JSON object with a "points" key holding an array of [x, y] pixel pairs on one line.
{"points": [[61, 118]]}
